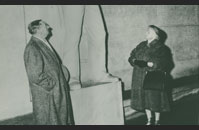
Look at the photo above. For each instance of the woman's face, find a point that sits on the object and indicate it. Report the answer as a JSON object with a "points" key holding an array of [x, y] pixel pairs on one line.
{"points": [[150, 34]]}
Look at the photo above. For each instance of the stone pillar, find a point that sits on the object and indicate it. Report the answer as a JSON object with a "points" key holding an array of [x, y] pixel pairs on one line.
{"points": [[98, 104]]}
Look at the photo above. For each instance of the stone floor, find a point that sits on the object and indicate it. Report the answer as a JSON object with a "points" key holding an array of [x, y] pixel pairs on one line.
{"points": [[185, 109], [184, 112]]}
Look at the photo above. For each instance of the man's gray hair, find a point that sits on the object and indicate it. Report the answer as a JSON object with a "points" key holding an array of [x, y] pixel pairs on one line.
{"points": [[33, 26]]}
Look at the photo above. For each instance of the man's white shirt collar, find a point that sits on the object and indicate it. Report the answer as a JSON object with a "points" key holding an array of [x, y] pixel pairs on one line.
{"points": [[44, 41]]}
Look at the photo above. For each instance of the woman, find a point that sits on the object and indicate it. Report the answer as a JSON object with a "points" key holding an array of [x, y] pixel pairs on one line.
{"points": [[149, 55]]}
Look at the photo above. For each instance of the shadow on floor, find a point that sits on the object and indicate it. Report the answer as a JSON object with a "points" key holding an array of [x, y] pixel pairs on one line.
{"points": [[184, 112], [20, 120]]}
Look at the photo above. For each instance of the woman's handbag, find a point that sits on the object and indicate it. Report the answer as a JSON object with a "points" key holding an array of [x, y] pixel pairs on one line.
{"points": [[154, 80]]}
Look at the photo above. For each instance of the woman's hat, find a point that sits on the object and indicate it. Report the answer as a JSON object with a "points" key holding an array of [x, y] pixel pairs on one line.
{"points": [[160, 33]]}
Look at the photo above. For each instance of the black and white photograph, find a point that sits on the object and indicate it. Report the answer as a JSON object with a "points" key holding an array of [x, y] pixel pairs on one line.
{"points": [[99, 64]]}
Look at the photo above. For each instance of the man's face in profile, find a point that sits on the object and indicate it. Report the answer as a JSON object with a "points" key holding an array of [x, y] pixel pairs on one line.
{"points": [[45, 28]]}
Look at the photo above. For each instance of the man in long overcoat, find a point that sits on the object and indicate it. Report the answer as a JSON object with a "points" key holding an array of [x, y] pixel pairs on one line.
{"points": [[48, 79]]}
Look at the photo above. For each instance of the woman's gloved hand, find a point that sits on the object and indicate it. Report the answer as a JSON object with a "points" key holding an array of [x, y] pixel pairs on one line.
{"points": [[140, 63]]}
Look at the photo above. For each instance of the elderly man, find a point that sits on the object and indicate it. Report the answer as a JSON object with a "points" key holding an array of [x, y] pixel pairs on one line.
{"points": [[48, 78]]}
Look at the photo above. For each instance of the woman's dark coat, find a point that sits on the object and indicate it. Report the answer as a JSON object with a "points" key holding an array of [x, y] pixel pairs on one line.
{"points": [[160, 55], [48, 80]]}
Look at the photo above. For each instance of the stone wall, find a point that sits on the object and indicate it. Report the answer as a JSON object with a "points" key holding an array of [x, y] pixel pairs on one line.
{"points": [[127, 25], [14, 88]]}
